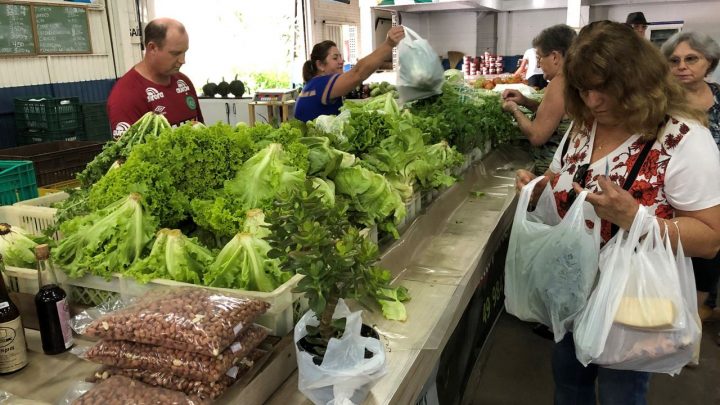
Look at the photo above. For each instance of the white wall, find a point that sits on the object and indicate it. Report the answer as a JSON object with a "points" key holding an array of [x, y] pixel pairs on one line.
{"points": [[446, 31], [486, 33], [516, 29]]}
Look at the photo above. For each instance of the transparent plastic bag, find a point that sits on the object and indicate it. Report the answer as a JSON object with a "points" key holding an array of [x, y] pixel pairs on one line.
{"points": [[645, 270], [194, 388], [191, 319], [552, 263], [420, 73], [345, 375], [120, 390], [191, 365]]}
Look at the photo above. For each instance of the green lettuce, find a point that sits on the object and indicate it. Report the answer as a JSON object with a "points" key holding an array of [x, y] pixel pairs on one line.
{"points": [[17, 246], [243, 263], [108, 240], [391, 300], [174, 257]]}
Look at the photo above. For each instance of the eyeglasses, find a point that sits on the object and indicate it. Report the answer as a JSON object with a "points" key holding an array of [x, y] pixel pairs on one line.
{"points": [[579, 178], [689, 60]]}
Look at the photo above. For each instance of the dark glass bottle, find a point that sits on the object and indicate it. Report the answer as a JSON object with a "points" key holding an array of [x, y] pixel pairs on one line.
{"points": [[13, 352], [52, 307]]}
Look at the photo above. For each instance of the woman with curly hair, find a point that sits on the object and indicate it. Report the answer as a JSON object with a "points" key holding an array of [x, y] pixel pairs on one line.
{"points": [[629, 113]]}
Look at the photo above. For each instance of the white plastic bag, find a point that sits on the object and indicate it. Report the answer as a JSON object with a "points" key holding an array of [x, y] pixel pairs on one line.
{"points": [[345, 375], [420, 74], [551, 264], [642, 271]]}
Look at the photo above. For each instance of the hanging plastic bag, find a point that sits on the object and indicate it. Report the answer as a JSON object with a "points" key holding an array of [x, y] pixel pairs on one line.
{"points": [[420, 73], [344, 377], [551, 263], [643, 313]]}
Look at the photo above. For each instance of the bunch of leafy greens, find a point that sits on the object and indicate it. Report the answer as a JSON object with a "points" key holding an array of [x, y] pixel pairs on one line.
{"points": [[172, 169], [244, 263], [173, 256], [287, 135], [108, 240], [316, 240], [256, 184], [147, 127], [264, 176], [467, 116], [372, 197], [432, 168], [17, 246]]}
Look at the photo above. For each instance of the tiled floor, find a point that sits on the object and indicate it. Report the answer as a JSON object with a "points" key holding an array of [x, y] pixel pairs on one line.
{"points": [[514, 369]]}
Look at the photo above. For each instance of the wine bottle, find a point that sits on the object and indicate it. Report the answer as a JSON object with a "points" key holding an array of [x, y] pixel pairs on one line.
{"points": [[52, 307]]}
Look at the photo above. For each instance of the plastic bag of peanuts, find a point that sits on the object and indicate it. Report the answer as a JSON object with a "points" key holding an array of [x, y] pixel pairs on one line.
{"points": [[196, 366], [193, 388], [120, 390], [191, 319]]}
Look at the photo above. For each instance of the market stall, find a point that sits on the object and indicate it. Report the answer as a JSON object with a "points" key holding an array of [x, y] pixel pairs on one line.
{"points": [[444, 258]]}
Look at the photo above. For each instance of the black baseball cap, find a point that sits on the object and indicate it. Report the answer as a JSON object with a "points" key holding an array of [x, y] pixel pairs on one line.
{"points": [[636, 18]]}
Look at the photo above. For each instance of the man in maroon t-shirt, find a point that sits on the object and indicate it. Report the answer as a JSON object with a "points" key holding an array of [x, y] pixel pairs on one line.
{"points": [[155, 83]]}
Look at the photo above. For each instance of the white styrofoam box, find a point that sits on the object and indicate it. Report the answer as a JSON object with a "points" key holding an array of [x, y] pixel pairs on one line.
{"points": [[21, 280]]}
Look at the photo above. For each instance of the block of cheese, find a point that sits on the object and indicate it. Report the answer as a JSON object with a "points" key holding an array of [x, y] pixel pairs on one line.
{"points": [[648, 313]]}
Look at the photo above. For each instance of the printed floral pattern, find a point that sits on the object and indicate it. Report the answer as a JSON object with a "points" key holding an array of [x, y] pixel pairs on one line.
{"points": [[648, 187], [714, 113]]}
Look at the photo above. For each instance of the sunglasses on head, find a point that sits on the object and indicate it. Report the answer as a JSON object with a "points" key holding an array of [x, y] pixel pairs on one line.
{"points": [[579, 178]]}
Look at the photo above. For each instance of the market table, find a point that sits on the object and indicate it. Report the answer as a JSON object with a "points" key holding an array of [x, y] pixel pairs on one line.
{"points": [[442, 258]]}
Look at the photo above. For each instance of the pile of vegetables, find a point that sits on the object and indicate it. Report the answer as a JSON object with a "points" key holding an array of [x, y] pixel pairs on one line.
{"points": [[248, 207]]}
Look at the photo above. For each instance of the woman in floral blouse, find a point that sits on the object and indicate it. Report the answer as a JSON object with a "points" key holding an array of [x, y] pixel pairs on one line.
{"points": [[621, 95], [693, 57]]}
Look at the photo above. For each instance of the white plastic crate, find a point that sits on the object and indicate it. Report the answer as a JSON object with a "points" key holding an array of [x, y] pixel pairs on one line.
{"points": [[34, 219], [286, 307], [46, 200], [21, 280]]}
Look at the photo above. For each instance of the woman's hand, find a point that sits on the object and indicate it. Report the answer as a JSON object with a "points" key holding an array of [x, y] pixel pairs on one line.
{"points": [[514, 96], [523, 177], [612, 203], [395, 35], [509, 106]]}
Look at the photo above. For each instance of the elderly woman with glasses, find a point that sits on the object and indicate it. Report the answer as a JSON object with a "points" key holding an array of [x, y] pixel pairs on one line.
{"points": [[635, 141], [693, 57]]}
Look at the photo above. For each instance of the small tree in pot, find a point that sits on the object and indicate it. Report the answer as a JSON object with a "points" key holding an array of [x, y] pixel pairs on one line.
{"points": [[313, 236]]}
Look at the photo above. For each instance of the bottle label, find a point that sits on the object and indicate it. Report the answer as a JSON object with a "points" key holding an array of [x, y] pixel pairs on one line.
{"points": [[64, 316], [13, 352], [4, 305]]}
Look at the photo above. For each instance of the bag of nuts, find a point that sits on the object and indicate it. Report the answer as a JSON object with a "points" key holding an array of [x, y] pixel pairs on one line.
{"points": [[196, 366], [196, 389], [120, 390], [191, 319]]}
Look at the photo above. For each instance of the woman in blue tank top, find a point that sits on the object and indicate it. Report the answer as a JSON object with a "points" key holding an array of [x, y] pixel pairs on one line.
{"points": [[325, 82]]}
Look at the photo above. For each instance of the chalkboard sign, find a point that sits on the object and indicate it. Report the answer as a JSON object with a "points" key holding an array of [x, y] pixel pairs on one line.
{"points": [[62, 29], [16, 33]]}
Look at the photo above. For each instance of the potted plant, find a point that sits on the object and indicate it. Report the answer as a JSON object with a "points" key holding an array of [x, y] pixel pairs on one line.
{"points": [[312, 235]]}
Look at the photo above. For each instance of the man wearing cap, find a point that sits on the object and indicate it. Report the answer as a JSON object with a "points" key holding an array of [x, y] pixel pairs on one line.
{"points": [[637, 22]]}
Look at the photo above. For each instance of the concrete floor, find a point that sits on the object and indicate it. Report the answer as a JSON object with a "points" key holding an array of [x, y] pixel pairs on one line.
{"points": [[514, 369]]}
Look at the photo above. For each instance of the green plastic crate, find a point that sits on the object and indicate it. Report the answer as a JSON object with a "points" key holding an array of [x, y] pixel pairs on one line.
{"points": [[17, 181], [47, 113], [96, 125], [33, 136]]}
